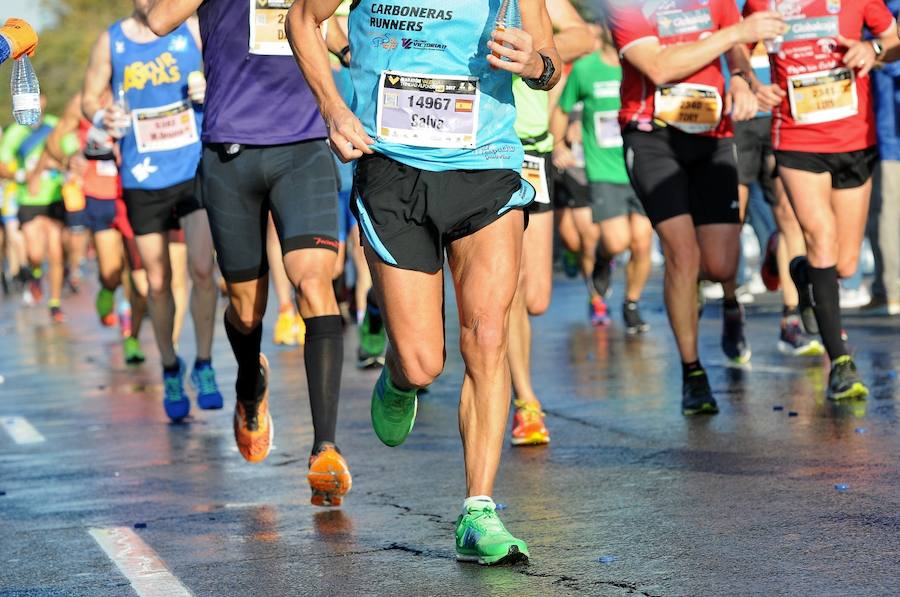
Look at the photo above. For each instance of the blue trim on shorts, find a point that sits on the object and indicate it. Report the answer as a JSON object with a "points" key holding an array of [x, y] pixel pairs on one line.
{"points": [[369, 230], [520, 198]]}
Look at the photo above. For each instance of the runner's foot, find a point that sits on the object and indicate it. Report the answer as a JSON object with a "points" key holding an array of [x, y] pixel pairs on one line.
{"points": [[393, 411], [329, 476], [528, 424], [253, 425], [481, 537]]}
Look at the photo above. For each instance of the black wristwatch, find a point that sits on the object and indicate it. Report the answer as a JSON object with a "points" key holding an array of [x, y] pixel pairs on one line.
{"points": [[544, 80], [342, 56], [879, 49]]}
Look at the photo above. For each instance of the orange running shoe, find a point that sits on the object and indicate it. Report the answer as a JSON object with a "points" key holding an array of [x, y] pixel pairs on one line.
{"points": [[253, 432], [528, 425], [329, 476]]}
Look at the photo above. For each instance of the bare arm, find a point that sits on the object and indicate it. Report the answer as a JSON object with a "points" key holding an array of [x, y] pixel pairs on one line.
{"points": [[68, 123], [336, 40], [523, 52], [97, 78], [164, 16], [303, 27], [673, 63], [194, 27], [573, 38]]}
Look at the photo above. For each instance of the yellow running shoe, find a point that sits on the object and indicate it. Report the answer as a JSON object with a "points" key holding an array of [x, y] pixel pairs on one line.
{"points": [[528, 425], [285, 330]]}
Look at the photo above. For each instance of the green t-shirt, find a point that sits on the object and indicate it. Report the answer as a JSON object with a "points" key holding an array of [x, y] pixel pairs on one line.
{"points": [[596, 83], [532, 115], [14, 137]]}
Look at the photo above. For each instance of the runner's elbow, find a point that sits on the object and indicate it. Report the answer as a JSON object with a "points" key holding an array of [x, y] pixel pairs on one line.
{"points": [[160, 21]]}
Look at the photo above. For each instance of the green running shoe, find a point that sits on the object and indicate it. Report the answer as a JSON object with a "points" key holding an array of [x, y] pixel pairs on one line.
{"points": [[133, 353], [393, 411], [844, 381], [105, 303], [481, 537], [372, 340]]}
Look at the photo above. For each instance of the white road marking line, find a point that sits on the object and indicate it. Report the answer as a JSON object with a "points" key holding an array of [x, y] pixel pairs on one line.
{"points": [[137, 561], [21, 431]]}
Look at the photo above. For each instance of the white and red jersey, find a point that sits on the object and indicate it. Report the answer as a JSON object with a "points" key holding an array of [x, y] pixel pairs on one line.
{"points": [[828, 108], [694, 104]]}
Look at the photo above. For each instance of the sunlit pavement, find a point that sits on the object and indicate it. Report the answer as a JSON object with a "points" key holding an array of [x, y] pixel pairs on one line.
{"points": [[101, 495]]}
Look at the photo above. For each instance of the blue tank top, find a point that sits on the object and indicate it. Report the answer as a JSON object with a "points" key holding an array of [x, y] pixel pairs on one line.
{"points": [[415, 71], [162, 148]]}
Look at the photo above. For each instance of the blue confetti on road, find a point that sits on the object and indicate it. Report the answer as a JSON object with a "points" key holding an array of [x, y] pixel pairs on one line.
{"points": [[860, 430], [778, 407], [607, 559], [792, 413], [140, 525], [842, 487], [500, 507]]}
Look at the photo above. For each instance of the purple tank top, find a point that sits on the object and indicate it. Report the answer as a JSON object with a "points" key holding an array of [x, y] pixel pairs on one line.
{"points": [[251, 98]]}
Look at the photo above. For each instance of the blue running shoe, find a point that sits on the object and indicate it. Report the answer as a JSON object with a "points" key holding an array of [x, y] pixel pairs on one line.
{"points": [[203, 378], [175, 400]]}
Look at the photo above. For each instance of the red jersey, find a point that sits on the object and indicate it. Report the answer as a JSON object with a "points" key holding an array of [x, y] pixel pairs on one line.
{"points": [[828, 108], [694, 104], [101, 177]]}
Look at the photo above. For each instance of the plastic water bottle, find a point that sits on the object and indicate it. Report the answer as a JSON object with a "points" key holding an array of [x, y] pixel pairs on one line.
{"points": [[508, 17], [125, 318], [773, 46], [26, 92], [124, 121]]}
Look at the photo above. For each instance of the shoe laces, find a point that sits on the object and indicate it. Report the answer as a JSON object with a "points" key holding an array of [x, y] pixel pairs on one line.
{"points": [[173, 388], [206, 380], [697, 384], [598, 305], [486, 520]]}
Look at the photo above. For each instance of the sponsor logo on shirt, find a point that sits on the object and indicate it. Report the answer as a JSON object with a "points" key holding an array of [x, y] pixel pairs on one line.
{"points": [[421, 44], [682, 23], [385, 42], [161, 70], [812, 28]]}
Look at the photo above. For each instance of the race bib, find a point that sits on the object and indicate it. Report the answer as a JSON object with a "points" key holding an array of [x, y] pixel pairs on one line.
{"points": [[689, 107], [823, 96], [107, 168], [534, 170], [267, 36], [607, 132], [428, 110], [73, 197], [165, 128]]}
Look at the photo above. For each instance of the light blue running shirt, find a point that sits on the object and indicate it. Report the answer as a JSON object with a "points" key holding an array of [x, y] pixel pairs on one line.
{"points": [[424, 89]]}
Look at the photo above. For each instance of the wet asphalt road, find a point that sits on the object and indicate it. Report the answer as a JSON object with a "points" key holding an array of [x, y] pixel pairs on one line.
{"points": [[744, 503]]}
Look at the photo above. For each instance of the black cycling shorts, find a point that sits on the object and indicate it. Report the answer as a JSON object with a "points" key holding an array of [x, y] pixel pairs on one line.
{"points": [[160, 210], [676, 173], [755, 157], [849, 170], [408, 216], [297, 182], [571, 188]]}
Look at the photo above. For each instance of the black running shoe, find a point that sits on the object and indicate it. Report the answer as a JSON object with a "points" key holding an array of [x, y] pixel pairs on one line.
{"points": [[696, 395], [634, 323], [602, 274], [734, 344], [804, 290], [844, 381]]}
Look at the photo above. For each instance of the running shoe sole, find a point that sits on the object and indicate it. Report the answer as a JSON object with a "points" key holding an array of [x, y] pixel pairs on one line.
{"points": [[857, 391], [706, 408], [532, 439], [512, 557], [811, 349], [742, 359], [328, 488], [372, 362]]}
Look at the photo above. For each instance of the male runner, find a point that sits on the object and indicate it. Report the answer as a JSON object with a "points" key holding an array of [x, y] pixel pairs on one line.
{"points": [[676, 126], [265, 151], [572, 40], [620, 223], [823, 130], [438, 170], [17, 39], [160, 149]]}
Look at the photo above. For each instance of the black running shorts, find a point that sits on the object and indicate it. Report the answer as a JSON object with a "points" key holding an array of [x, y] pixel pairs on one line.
{"points": [[676, 173], [297, 182], [54, 211], [755, 157], [408, 216], [159, 210], [849, 170], [570, 188]]}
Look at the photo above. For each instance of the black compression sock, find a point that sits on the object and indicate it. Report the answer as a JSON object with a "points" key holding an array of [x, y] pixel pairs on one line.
{"points": [[789, 311], [323, 356], [246, 353], [827, 307], [730, 304], [374, 313]]}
